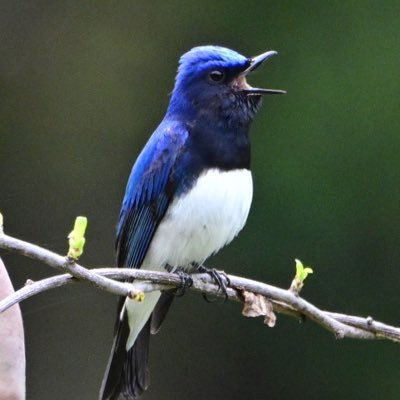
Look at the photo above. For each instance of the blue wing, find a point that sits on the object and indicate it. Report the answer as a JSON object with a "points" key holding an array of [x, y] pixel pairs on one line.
{"points": [[149, 191]]}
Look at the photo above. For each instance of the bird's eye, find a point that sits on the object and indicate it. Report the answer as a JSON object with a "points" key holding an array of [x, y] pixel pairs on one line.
{"points": [[216, 76]]}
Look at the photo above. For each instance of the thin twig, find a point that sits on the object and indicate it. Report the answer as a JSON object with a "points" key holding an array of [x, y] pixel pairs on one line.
{"points": [[284, 301]]}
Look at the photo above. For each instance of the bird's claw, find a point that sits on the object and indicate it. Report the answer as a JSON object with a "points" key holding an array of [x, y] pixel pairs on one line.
{"points": [[186, 282], [220, 278]]}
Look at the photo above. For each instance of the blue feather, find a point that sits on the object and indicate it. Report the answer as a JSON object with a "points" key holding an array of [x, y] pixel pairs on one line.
{"points": [[149, 191]]}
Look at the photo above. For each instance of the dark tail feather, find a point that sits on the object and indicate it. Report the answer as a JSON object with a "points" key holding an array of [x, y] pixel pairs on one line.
{"points": [[112, 375], [161, 310], [127, 375], [135, 378]]}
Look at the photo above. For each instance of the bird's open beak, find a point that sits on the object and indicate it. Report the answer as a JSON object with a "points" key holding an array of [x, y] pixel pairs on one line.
{"points": [[255, 62]]}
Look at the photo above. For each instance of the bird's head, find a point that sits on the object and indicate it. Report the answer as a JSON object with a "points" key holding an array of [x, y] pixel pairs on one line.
{"points": [[212, 80]]}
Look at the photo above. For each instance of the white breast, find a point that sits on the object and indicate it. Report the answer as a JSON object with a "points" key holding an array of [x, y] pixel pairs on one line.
{"points": [[199, 223]]}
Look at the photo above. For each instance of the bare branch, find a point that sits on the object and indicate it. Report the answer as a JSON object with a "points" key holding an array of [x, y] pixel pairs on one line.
{"points": [[283, 301]]}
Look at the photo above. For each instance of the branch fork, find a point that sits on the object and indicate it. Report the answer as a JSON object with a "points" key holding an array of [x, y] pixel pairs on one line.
{"points": [[276, 300]]}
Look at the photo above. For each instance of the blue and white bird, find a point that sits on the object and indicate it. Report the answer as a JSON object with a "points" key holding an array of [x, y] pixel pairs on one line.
{"points": [[188, 195]]}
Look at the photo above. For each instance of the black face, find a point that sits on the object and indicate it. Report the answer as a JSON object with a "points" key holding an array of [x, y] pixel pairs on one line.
{"points": [[223, 93], [211, 82]]}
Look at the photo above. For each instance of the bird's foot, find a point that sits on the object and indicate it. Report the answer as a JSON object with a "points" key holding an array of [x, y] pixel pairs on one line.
{"points": [[186, 282], [220, 278]]}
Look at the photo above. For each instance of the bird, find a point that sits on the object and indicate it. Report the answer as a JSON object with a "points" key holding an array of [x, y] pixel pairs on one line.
{"points": [[188, 195]]}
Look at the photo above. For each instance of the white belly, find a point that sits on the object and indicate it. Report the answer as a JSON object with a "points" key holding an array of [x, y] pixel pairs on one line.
{"points": [[199, 223], [196, 225]]}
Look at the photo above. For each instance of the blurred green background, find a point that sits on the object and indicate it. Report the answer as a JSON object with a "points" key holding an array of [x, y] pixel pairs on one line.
{"points": [[83, 84]]}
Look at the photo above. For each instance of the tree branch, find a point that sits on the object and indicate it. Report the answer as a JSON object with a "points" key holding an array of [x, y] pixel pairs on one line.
{"points": [[283, 301]]}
